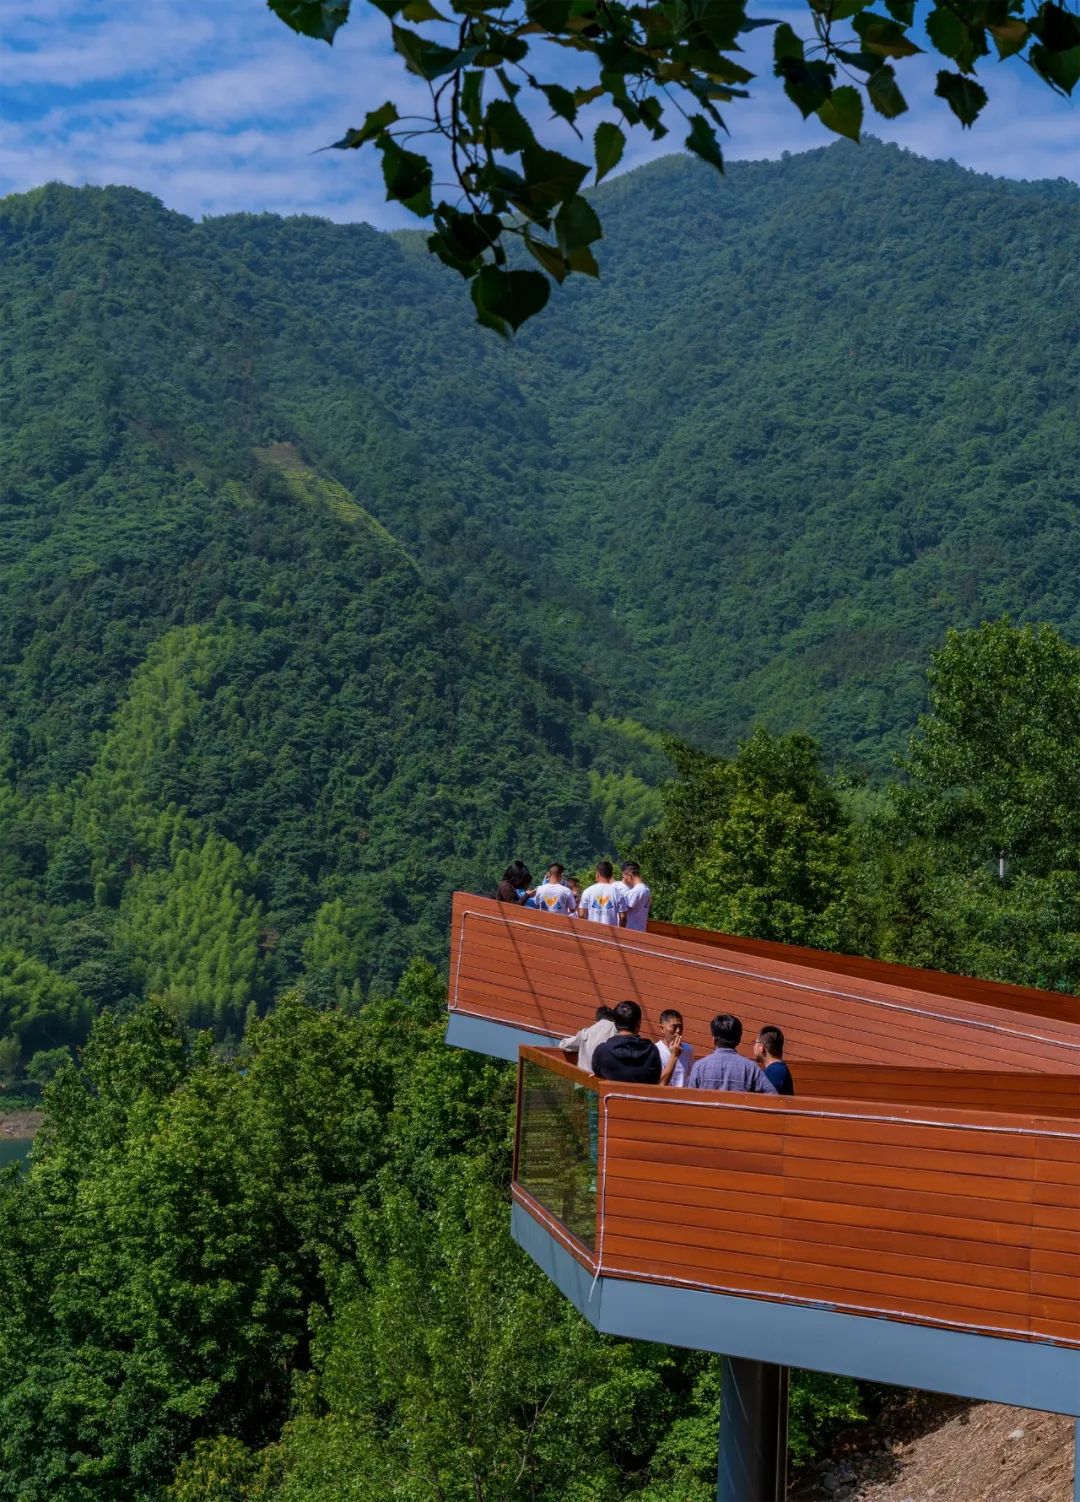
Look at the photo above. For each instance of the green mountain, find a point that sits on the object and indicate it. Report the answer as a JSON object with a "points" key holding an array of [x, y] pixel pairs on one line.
{"points": [[317, 601]]}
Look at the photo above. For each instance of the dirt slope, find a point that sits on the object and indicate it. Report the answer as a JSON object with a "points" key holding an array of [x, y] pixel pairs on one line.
{"points": [[947, 1451]]}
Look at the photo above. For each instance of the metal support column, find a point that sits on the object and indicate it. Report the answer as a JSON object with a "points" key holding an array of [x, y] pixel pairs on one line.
{"points": [[753, 1432]]}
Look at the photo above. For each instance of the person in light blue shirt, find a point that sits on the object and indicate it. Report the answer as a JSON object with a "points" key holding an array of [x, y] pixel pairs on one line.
{"points": [[724, 1069]]}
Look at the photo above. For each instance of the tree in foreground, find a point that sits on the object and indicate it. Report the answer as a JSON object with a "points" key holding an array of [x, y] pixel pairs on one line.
{"points": [[505, 84]]}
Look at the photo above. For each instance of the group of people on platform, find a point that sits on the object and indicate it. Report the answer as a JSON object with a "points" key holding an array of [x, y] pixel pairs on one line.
{"points": [[612, 1048], [621, 904]]}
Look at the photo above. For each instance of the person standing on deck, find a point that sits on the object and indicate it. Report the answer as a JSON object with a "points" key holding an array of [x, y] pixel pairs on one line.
{"points": [[587, 1039], [724, 1069], [638, 898], [626, 1057], [553, 895], [603, 902], [769, 1053], [676, 1056]]}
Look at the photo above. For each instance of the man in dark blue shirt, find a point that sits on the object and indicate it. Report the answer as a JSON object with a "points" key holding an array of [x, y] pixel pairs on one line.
{"points": [[626, 1057], [769, 1053]]}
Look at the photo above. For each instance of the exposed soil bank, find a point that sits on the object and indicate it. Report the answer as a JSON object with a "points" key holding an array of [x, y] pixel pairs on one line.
{"points": [[945, 1450], [19, 1123]]}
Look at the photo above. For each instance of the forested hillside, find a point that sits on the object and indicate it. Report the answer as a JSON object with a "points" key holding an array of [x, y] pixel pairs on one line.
{"points": [[316, 602]]}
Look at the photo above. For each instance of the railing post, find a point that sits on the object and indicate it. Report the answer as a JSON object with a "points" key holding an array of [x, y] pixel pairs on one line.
{"points": [[753, 1432]]}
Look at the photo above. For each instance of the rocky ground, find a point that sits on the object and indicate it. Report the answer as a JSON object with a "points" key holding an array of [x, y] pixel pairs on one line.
{"points": [[19, 1123], [944, 1450]]}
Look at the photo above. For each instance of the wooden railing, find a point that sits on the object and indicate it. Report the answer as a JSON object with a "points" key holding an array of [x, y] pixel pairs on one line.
{"points": [[545, 975], [921, 1212]]}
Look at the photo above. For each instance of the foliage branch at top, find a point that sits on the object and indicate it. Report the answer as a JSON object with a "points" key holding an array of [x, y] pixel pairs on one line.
{"points": [[649, 62]]}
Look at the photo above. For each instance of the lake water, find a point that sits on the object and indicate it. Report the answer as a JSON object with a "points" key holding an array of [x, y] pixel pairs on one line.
{"points": [[12, 1149]]}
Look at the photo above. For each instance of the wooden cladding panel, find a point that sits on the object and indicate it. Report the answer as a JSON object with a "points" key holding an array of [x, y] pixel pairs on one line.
{"points": [[968, 1089], [925, 1222], [547, 973], [1025, 999]]}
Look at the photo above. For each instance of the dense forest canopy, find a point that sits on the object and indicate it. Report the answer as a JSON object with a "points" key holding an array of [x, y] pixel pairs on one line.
{"points": [[482, 127], [287, 1276]]}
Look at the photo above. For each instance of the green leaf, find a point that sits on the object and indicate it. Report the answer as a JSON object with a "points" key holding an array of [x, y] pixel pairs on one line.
{"points": [[947, 31], [609, 144], [550, 177], [884, 94], [1057, 29], [884, 37], [652, 113], [576, 225], [461, 239], [426, 58], [472, 89], [839, 10], [422, 10], [786, 45], [549, 256], [955, 38], [807, 85], [902, 11], [842, 112], [583, 259], [312, 18], [375, 121], [561, 101], [1010, 37], [552, 15], [963, 95], [703, 143], [507, 128], [505, 299], [407, 176], [1060, 69]]}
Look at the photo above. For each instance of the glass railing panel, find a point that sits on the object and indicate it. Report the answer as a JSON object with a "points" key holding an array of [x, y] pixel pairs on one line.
{"points": [[557, 1147]]}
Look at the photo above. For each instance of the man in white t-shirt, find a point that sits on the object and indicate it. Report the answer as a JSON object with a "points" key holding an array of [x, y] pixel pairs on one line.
{"points": [[603, 902], [553, 896], [676, 1057], [637, 895]]}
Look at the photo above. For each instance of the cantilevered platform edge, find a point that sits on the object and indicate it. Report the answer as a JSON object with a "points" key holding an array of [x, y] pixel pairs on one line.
{"points": [[499, 1040], [1030, 1374]]}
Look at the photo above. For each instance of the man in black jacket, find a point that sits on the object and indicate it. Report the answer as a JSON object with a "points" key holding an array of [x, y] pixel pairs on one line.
{"points": [[626, 1057]]}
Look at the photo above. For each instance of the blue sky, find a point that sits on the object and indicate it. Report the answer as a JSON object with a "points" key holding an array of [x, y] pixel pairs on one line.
{"points": [[214, 106]]}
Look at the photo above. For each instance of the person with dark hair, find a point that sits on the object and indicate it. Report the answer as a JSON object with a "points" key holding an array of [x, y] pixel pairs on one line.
{"points": [[588, 1039], [603, 902], [637, 896], [575, 887], [627, 1057], [724, 1069], [676, 1056], [553, 895], [515, 883], [769, 1053]]}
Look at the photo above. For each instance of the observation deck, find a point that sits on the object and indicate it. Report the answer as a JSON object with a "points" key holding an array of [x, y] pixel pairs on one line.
{"points": [[911, 1216]]}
